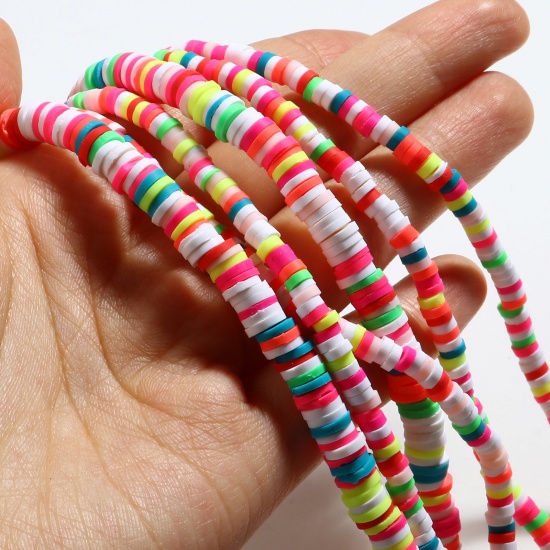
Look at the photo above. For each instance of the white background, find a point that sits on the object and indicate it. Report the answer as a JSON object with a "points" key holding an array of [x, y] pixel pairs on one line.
{"points": [[59, 39]]}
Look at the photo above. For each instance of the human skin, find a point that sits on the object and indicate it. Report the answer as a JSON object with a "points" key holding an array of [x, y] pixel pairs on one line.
{"points": [[134, 410]]}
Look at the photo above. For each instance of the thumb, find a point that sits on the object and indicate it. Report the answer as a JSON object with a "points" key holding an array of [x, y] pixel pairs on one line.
{"points": [[10, 72]]}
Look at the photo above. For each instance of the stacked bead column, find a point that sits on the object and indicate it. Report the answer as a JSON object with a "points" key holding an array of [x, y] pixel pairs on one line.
{"points": [[253, 300], [371, 295]]}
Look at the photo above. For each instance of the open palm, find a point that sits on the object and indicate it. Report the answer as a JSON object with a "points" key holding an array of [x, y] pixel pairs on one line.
{"points": [[134, 410]]}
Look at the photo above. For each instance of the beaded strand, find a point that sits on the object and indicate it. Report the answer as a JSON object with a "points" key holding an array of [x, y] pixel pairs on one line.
{"points": [[243, 280]]}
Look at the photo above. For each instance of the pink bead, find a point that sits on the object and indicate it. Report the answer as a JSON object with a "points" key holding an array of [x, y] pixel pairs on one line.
{"points": [[353, 380]]}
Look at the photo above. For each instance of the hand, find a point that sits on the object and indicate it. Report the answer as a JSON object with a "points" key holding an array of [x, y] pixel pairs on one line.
{"points": [[134, 410]]}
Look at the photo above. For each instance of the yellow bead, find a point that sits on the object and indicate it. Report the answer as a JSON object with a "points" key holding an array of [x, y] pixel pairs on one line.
{"points": [[365, 485], [176, 56], [498, 493], [288, 163], [137, 112], [183, 149], [541, 390], [148, 66], [207, 88], [403, 544], [432, 302], [371, 515], [282, 110], [478, 227], [220, 187], [451, 364], [186, 223], [353, 501], [345, 361], [431, 164], [379, 527], [153, 191], [460, 202], [331, 318], [227, 264], [433, 454], [388, 451], [239, 80], [267, 246], [125, 103], [303, 130], [358, 337]]}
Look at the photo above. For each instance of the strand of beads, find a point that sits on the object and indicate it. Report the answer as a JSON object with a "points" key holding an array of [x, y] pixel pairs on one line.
{"points": [[348, 375], [185, 108], [439, 177], [256, 305], [435, 381], [377, 303], [333, 98], [389, 319], [329, 224]]}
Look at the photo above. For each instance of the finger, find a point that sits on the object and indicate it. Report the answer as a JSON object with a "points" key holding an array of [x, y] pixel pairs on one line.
{"points": [[316, 48], [405, 69], [10, 71], [465, 291], [474, 130], [402, 71]]}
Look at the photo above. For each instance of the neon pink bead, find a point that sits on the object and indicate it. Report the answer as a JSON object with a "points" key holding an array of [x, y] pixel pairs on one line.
{"points": [[339, 442], [353, 380], [457, 192], [179, 216], [347, 105], [257, 307], [294, 171], [279, 258], [253, 61], [326, 334]]}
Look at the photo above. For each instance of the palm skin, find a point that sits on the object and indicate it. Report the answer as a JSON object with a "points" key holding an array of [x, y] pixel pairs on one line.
{"points": [[135, 412]]}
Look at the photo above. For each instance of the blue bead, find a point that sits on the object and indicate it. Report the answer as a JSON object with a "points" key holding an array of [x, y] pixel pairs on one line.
{"points": [[452, 183], [454, 353], [337, 426], [398, 137], [467, 209], [146, 183], [302, 349], [187, 58], [339, 100], [212, 110], [97, 74], [432, 545], [357, 475], [353, 466], [262, 62], [501, 529], [420, 254], [429, 474], [475, 434], [314, 384], [162, 196], [84, 132], [281, 327], [235, 209]]}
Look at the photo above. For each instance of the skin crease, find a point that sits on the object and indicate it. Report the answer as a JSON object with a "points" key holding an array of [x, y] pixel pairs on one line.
{"points": [[135, 412]]}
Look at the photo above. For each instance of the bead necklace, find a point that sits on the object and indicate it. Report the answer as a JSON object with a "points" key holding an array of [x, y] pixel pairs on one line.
{"points": [[260, 275]]}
